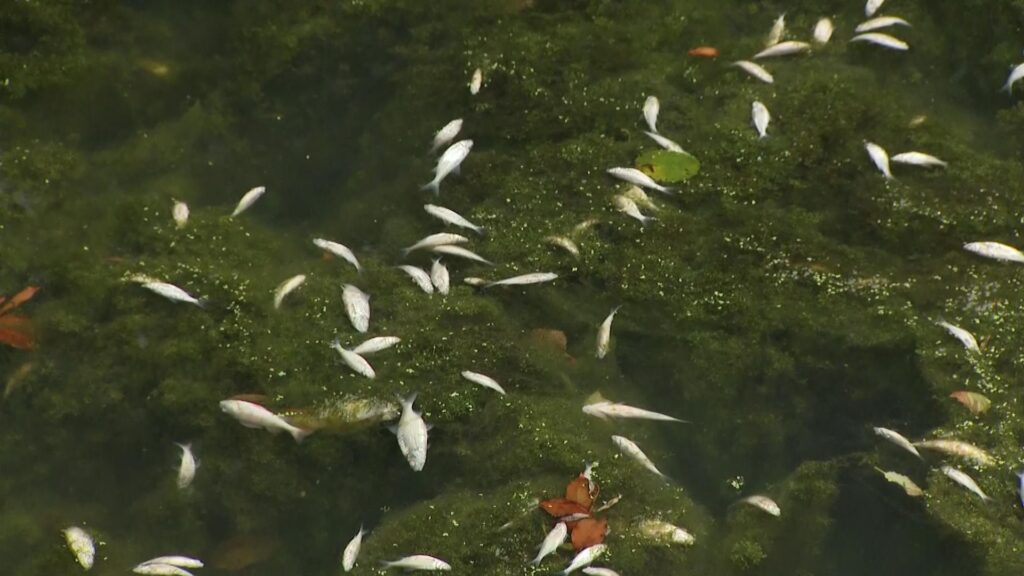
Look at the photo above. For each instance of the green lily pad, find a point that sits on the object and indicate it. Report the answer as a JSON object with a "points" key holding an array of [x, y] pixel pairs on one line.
{"points": [[668, 166]]}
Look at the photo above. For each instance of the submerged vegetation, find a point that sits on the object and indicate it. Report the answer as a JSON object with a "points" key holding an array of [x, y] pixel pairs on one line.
{"points": [[785, 301]]}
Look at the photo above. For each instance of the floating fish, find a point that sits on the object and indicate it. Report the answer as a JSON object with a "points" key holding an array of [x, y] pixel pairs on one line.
{"points": [[411, 432], [447, 163], [755, 70], [965, 337], [348, 557], [584, 558], [764, 503], [339, 250], [959, 448], [897, 439], [761, 117], [81, 545], [604, 334], [187, 467], [638, 196], [605, 409], [880, 39], [918, 159], [608, 504], [595, 571], [704, 52], [564, 243], [357, 363], [775, 34], [976, 403], [917, 121], [661, 531], [475, 282], [879, 23], [871, 7], [253, 415], [179, 561], [357, 306], [964, 480], [476, 81], [995, 251], [419, 276], [419, 562], [483, 380], [446, 134], [173, 293], [452, 217], [823, 31], [634, 176], [651, 109], [434, 240], [460, 252], [902, 481], [665, 142], [155, 569], [179, 212], [525, 279], [285, 288], [629, 208], [555, 538], [880, 157], [248, 200], [1016, 73], [783, 49], [629, 448], [439, 276], [585, 225]]}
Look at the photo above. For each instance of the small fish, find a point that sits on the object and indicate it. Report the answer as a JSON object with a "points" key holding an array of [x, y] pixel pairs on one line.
{"points": [[554, 539], [608, 504], [897, 439], [179, 561], [483, 380], [81, 545], [918, 159], [187, 468], [173, 293], [704, 52], [764, 503], [917, 121], [871, 7], [823, 31], [525, 279], [180, 213], [959, 448], [357, 363], [419, 562], [775, 34], [634, 176], [594, 571], [662, 531], [879, 23], [452, 217], [651, 109], [902, 481], [475, 282], [606, 409], [783, 49], [880, 39], [564, 243], [584, 558], [411, 432], [446, 134], [376, 344], [604, 334], [629, 208], [439, 239], [665, 142], [253, 415], [637, 195], [880, 157], [755, 70], [629, 448], [154, 569], [965, 337], [439, 276], [476, 82], [995, 251], [419, 276], [574, 517], [357, 306], [1016, 73], [585, 225], [348, 557], [447, 163], [248, 200], [285, 288], [963, 480], [339, 250], [761, 117], [1020, 487], [460, 252]]}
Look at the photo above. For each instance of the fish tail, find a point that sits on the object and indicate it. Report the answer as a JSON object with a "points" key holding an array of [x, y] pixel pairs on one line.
{"points": [[648, 219], [202, 302], [300, 434], [480, 230], [408, 400], [433, 186], [405, 252]]}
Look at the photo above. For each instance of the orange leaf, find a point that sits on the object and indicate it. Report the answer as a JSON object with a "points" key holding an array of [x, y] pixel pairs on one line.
{"points": [[589, 532], [19, 340], [18, 299], [559, 507], [704, 51], [16, 322], [579, 491]]}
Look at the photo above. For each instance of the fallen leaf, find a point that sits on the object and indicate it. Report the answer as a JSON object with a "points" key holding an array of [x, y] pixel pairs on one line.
{"points": [[559, 507], [704, 51], [973, 401], [18, 299], [16, 339], [589, 532], [579, 491]]}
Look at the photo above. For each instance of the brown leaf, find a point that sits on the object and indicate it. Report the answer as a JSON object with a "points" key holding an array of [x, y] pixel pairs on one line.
{"points": [[589, 532], [579, 491], [18, 299], [17, 339], [559, 507], [976, 403]]}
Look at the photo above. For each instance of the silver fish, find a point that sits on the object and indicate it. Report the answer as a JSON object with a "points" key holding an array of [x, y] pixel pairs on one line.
{"points": [[187, 467], [483, 380], [608, 504], [775, 34], [154, 569], [638, 196], [476, 81], [918, 159], [880, 157], [880, 39], [897, 439], [172, 293], [628, 207], [446, 134], [249, 199], [755, 70], [879, 23], [595, 571], [1020, 486], [460, 252], [475, 282], [452, 217], [958, 448], [179, 212], [348, 557], [764, 503], [81, 545], [449, 162], [554, 539], [525, 279], [1016, 73], [376, 344], [604, 334], [662, 531], [439, 239], [871, 7], [606, 409], [995, 251], [419, 276], [564, 243], [253, 415], [411, 432], [761, 117], [629, 448], [783, 49], [651, 108], [179, 561], [584, 558], [419, 562], [339, 250], [965, 337], [285, 288], [665, 142], [963, 480], [439, 276], [357, 363], [634, 176], [823, 31], [357, 306]]}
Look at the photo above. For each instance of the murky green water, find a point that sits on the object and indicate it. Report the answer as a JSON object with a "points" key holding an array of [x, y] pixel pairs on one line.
{"points": [[784, 301]]}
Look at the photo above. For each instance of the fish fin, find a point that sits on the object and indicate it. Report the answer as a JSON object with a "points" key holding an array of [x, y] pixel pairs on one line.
{"points": [[202, 302], [457, 170], [405, 252], [433, 186], [430, 427], [300, 434], [393, 428]]}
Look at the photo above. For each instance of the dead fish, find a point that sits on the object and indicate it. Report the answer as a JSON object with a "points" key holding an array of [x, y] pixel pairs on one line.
{"points": [[608, 504], [629, 448], [880, 39], [775, 34], [248, 200], [439, 239], [348, 557], [872, 6], [564, 243], [418, 562], [584, 558], [761, 117], [173, 293], [460, 252], [160, 570], [483, 380], [419, 276], [475, 282], [965, 337], [995, 251], [357, 363], [880, 157], [525, 279], [476, 82], [634, 176], [357, 306], [187, 468], [452, 217], [764, 503], [651, 109], [918, 159], [411, 432], [605, 410], [783, 49], [959, 448], [81, 545], [554, 539], [964, 480], [376, 344], [604, 334], [755, 70], [879, 23], [439, 276], [629, 208], [902, 481], [640, 198], [253, 415], [339, 250], [823, 31], [585, 225], [1016, 73], [285, 288], [179, 561], [595, 571], [661, 531], [180, 213], [665, 142], [449, 161], [446, 134], [917, 121], [897, 439]]}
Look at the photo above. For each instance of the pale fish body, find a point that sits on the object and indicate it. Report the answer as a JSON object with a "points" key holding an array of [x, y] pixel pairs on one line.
{"points": [[249, 199], [651, 109], [439, 277], [446, 134], [783, 49], [155, 569], [605, 410], [439, 239], [172, 293], [879, 23], [81, 545], [902, 481], [823, 31], [565, 244], [661, 531], [872, 6], [995, 251], [180, 213], [897, 439], [665, 143], [880, 39], [419, 276], [918, 159], [1020, 486], [959, 448], [253, 415], [525, 279], [628, 207], [775, 34], [755, 70], [179, 561], [348, 557], [460, 252], [419, 562], [357, 306], [339, 250], [483, 380], [376, 344], [965, 337], [629, 448], [634, 176], [187, 467], [764, 503], [585, 558], [411, 432], [475, 282], [595, 571], [554, 539], [449, 216], [476, 81], [880, 157], [285, 288], [761, 117], [638, 196], [964, 480], [608, 504], [450, 160], [1016, 73], [357, 363], [604, 334]]}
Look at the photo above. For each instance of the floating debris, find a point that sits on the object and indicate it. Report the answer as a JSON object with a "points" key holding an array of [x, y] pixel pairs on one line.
{"points": [[975, 402], [179, 212], [902, 481]]}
